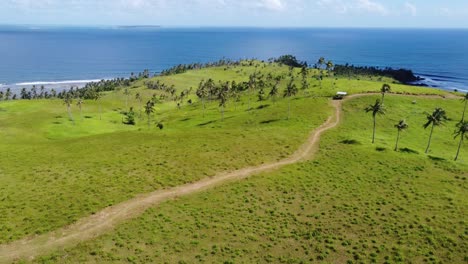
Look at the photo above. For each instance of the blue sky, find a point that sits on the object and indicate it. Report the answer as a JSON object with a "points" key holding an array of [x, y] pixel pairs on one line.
{"points": [[261, 13]]}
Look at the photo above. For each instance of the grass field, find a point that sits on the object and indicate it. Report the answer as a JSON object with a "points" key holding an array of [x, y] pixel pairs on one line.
{"points": [[357, 202], [352, 204]]}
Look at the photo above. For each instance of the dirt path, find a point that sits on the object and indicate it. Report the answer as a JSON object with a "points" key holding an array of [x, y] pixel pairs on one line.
{"points": [[105, 220]]}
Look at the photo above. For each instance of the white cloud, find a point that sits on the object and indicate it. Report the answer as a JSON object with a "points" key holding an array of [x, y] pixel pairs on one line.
{"points": [[353, 6], [336, 6], [371, 7], [275, 5], [410, 9]]}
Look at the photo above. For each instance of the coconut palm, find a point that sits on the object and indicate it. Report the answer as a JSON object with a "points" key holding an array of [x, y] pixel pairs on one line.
{"points": [[385, 89], [274, 91], [68, 101], [97, 97], [329, 67], [8, 94], [139, 98], [291, 90], [252, 85], [202, 93], [462, 132], [80, 103], [223, 97], [437, 118], [376, 109], [321, 62], [402, 125], [127, 94], [465, 99], [149, 110]]}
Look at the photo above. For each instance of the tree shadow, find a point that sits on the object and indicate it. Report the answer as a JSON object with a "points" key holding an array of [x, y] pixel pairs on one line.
{"points": [[436, 158], [269, 121], [409, 151], [350, 142]]}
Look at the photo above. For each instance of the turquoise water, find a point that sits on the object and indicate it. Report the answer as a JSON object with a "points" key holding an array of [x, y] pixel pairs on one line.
{"points": [[75, 55]]}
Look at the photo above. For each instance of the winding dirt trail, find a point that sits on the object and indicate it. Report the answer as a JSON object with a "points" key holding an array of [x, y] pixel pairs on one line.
{"points": [[105, 220]]}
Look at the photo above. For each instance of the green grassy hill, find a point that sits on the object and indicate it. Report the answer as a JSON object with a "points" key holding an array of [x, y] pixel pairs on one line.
{"points": [[355, 202]]}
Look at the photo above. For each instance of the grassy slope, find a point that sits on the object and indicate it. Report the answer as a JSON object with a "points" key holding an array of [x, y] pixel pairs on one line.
{"points": [[351, 204], [54, 173]]}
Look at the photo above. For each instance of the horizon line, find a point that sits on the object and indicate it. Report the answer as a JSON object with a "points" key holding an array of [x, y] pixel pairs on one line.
{"points": [[136, 26]]}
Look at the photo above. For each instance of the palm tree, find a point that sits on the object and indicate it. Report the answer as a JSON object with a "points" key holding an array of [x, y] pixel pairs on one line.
{"points": [[80, 103], [462, 131], [149, 109], [202, 93], [139, 99], [126, 93], [465, 99], [97, 95], [67, 100], [437, 118], [402, 125], [8, 94], [223, 98], [252, 84], [320, 64], [329, 68], [291, 90], [376, 108], [274, 91], [385, 89]]}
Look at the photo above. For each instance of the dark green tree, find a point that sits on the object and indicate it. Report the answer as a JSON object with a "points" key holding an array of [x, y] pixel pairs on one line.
{"points": [[465, 100], [202, 94], [80, 103], [68, 101], [223, 97], [462, 132], [376, 109], [437, 118], [149, 110], [402, 125], [275, 90], [139, 98], [385, 89], [130, 117], [252, 85], [127, 94], [291, 90]]}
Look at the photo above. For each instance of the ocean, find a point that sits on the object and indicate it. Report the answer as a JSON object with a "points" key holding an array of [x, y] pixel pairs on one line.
{"points": [[64, 56]]}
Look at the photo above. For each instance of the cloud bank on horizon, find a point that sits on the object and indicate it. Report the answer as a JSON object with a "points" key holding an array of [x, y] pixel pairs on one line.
{"points": [[262, 13]]}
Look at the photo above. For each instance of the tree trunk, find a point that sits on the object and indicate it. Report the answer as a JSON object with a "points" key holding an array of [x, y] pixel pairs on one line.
{"points": [[373, 133], [289, 108], [250, 99], [464, 110], [430, 138], [204, 107], [222, 113], [70, 114], [149, 121], [459, 146], [397, 140]]}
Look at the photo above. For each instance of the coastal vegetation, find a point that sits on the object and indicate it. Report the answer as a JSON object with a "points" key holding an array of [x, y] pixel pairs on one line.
{"points": [[355, 202]]}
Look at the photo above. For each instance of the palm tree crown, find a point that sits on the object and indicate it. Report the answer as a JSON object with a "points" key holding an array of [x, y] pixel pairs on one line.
{"points": [[385, 89], [462, 132], [437, 118], [376, 108]]}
